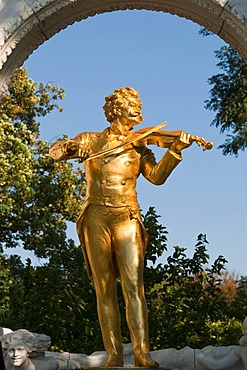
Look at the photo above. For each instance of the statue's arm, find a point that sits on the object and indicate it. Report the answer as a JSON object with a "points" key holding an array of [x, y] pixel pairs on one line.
{"points": [[78, 147], [157, 173]]}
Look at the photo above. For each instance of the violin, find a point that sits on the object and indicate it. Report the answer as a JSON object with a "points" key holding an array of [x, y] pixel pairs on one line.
{"points": [[153, 136], [164, 139]]}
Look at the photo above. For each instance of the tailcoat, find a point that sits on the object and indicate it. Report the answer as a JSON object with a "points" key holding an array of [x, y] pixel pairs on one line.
{"points": [[110, 229]]}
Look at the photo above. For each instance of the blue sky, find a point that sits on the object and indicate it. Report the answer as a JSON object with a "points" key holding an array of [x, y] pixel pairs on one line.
{"points": [[165, 58]]}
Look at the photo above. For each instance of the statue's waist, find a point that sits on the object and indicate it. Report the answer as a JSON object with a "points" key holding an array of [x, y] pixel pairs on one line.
{"points": [[113, 199]]}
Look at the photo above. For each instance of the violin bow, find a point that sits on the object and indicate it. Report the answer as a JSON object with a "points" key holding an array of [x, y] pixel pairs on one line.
{"points": [[207, 145], [137, 138]]}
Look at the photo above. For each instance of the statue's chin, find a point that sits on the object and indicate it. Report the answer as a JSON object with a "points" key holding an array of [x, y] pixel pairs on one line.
{"points": [[18, 362]]}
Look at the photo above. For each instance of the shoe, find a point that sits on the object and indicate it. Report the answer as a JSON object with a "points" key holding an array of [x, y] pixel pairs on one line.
{"points": [[113, 361], [145, 360]]}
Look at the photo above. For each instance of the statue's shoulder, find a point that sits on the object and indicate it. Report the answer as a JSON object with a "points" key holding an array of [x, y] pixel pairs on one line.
{"points": [[93, 135]]}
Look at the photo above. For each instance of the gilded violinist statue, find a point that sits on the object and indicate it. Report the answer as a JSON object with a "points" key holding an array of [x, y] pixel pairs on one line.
{"points": [[110, 229]]}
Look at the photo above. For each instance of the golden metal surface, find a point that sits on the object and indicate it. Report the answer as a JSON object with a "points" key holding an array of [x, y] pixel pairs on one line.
{"points": [[110, 229], [130, 141]]}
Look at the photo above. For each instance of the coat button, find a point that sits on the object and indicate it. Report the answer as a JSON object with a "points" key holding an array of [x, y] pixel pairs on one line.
{"points": [[127, 163], [103, 181], [123, 182]]}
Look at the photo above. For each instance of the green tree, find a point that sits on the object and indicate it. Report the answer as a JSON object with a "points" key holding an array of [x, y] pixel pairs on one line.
{"points": [[239, 301], [5, 285], [11, 267], [228, 99], [56, 298], [37, 195], [186, 303]]}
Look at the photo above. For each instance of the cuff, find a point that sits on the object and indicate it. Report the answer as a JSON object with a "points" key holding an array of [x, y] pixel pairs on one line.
{"points": [[176, 155]]}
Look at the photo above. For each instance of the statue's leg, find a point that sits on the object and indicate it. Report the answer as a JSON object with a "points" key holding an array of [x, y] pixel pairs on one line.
{"points": [[128, 247], [97, 238]]}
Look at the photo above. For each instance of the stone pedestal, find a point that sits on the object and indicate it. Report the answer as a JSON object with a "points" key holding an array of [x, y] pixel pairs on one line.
{"points": [[128, 368]]}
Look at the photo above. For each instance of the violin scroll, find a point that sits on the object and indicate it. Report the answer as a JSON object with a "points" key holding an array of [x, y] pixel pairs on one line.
{"points": [[207, 145]]}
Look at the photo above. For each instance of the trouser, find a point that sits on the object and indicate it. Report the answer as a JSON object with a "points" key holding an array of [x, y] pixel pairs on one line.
{"points": [[114, 247]]}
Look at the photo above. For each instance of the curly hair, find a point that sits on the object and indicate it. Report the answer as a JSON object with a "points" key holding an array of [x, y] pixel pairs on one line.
{"points": [[29, 341], [32, 341], [121, 98]]}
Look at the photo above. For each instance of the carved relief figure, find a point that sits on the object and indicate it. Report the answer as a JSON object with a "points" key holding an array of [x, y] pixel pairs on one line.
{"points": [[239, 8], [26, 351]]}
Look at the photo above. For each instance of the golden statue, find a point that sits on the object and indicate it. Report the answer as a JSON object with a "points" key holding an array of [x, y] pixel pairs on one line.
{"points": [[110, 229]]}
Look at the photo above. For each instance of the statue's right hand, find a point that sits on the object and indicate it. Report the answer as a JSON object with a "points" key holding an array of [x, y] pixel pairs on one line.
{"points": [[70, 147], [75, 149]]}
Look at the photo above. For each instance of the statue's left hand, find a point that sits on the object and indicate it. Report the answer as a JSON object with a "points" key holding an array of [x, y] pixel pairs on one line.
{"points": [[182, 142]]}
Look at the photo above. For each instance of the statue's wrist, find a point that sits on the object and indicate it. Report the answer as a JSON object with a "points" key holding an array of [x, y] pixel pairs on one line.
{"points": [[175, 154], [175, 149]]}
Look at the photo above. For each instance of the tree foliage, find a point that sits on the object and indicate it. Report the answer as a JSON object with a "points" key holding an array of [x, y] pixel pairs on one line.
{"points": [[228, 99], [56, 298], [37, 195], [5, 286], [187, 298]]}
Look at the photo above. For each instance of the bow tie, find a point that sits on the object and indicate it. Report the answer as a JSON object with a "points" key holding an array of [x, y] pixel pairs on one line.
{"points": [[116, 137]]}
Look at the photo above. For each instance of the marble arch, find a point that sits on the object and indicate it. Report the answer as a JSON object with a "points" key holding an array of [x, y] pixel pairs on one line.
{"points": [[26, 24]]}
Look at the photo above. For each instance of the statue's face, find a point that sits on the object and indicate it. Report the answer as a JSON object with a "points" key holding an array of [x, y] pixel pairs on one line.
{"points": [[18, 353], [131, 114], [132, 111]]}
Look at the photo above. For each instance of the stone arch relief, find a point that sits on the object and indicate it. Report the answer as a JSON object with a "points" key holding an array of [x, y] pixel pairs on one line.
{"points": [[26, 24]]}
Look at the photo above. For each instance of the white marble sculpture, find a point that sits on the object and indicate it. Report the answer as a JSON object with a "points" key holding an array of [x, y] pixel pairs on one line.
{"points": [[23, 350], [208, 358], [28, 351], [5, 331], [238, 8]]}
